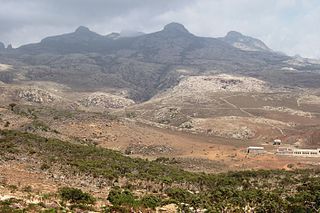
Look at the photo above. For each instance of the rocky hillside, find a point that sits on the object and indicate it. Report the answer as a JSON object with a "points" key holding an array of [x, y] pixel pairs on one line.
{"points": [[105, 100], [243, 42], [202, 88], [36, 95], [219, 83]]}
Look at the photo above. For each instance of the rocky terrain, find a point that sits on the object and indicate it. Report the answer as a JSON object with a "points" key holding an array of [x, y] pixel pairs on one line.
{"points": [[202, 86], [231, 87], [88, 107], [36, 96], [4, 67], [235, 127], [105, 101], [246, 43]]}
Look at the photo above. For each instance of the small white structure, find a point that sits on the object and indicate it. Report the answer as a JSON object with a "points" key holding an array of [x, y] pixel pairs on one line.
{"points": [[255, 150], [277, 142], [285, 151], [298, 152]]}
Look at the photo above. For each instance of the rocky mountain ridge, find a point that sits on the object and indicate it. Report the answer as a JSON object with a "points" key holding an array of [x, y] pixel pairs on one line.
{"points": [[245, 43], [147, 64]]}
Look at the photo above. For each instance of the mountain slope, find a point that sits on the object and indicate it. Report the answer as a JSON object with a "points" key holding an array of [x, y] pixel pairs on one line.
{"points": [[81, 40], [2, 47], [243, 42]]}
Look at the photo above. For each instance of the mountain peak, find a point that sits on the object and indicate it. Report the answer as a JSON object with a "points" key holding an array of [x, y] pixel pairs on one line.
{"points": [[2, 47], [175, 27], [82, 29], [130, 33], [234, 34], [113, 35], [82, 36], [244, 42]]}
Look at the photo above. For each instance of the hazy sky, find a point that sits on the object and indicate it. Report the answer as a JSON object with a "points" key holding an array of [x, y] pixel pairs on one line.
{"points": [[291, 26]]}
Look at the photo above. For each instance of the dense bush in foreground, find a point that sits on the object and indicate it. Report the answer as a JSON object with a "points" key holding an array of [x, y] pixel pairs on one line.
{"points": [[265, 191]]}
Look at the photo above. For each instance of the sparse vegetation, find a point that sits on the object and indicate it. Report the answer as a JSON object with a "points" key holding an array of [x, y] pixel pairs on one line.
{"points": [[27, 189], [264, 191], [26, 111], [12, 105], [39, 125], [44, 166], [131, 114], [7, 206], [7, 124]]}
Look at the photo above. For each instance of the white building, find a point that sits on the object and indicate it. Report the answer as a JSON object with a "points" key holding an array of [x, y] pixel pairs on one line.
{"points": [[255, 150], [298, 152], [277, 142]]}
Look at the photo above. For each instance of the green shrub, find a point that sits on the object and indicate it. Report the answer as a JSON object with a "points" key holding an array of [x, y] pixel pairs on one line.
{"points": [[131, 114], [180, 195], [118, 198], [150, 201], [76, 196], [7, 206], [51, 210], [12, 105], [39, 125], [27, 189], [44, 166], [7, 124]]}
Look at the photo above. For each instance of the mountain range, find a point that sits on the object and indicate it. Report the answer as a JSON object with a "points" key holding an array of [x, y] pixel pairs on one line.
{"points": [[145, 64]]}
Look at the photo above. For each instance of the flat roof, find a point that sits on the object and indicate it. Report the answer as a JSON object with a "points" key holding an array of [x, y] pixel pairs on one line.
{"points": [[255, 147], [307, 150]]}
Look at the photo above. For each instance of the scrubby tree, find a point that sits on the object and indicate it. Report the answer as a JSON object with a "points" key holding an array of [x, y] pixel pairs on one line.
{"points": [[76, 196]]}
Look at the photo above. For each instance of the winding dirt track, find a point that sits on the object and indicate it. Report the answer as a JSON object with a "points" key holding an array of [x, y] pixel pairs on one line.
{"points": [[250, 114]]}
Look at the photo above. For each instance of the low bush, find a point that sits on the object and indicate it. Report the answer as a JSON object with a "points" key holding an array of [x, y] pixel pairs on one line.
{"points": [[76, 196], [150, 201], [120, 197]]}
